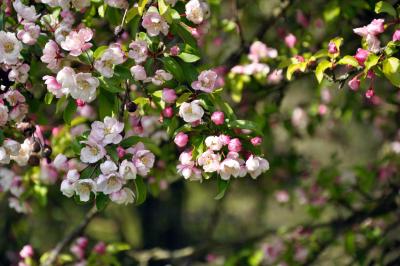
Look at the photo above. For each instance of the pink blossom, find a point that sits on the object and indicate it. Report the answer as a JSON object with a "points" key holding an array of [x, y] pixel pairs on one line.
{"points": [[332, 48], [206, 81], [256, 141], [225, 139], [259, 50], [53, 86], [154, 24], [181, 139], [218, 118], [168, 112], [290, 40], [354, 83], [275, 77], [175, 50], [361, 56], [138, 72], [302, 19], [100, 248], [26, 252], [396, 36], [370, 33], [29, 34], [282, 196], [19, 73], [235, 145], [369, 93], [169, 95], [51, 55], [77, 41]]}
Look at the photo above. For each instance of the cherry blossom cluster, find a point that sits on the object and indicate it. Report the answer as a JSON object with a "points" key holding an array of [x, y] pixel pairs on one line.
{"points": [[221, 157], [259, 53], [114, 175], [13, 183]]}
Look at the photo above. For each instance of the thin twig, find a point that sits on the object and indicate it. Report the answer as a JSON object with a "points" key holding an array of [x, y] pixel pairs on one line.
{"points": [[70, 237]]}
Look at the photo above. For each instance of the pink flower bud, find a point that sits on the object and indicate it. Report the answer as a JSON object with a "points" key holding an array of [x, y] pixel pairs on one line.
{"points": [[396, 36], [332, 49], [361, 56], [322, 109], [235, 145], [80, 103], [354, 83], [26, 252], [225, 139], [256, 141], [218, 118], [370, 93], [290, 40], [121, 152], [168, 112], [181, 139], [100, 248], [82, 242], [175, 50], [168, 95], [370, 74]]}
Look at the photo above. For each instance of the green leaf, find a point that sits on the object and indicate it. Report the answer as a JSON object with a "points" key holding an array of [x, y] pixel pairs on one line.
{"points": [[245, 124], [173, 67], [295, 67], [102, 201], [222, 188], [112, 151], [107, 105], [131, 14], [322, 66], [348, 60], [48, 98], [117, 247], [142, 6], [391, 70], [108, 85], [183, 32], [69, 111], [141, 190], [99, 51], [162, 7], [371, 61], [384, 7], [1, 137], [40, 193], [183, 98], [189, 58]]}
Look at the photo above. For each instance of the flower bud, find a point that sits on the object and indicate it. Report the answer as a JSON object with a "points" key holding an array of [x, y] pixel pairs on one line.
{"points": [[361, 56], [168, 95], [256, 141], [26, 252], [354, 83], [218, 118], [370, 93], [80, 103], [100, 248], [235, 145], [120, 152], [332, 49], [168, 112], [175, 50], [181, 139]]}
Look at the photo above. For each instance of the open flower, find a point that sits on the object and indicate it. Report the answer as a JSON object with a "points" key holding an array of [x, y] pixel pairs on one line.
{"points": [[107, 132], [206, 81], [210, 161], [93, 152], [127, 170], [85, 88], [231, 166], [84, 187], [29, 34], [68, 184], [196, 11], [256, 166], [108, 167], [123, 196], [10, 48], [142, 158], [160, 77], [214, 143], [113, 55], [109, 183], [370, 33], [51, 55], [19, 73], [154, 24], [77, 41], [138, 51], [191, 112], [26, 13]]}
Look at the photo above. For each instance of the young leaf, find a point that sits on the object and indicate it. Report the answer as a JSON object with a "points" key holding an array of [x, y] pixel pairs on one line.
{"points": [[322, 66], [48, 98], [141, 6], [222, 188], [391, 70], [102, 201], [348, 60], [173, 67], [384, 7], [69, 111], [141, 190]]}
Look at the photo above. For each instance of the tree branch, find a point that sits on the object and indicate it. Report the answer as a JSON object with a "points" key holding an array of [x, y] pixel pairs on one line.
{"points": [[70, 237]]}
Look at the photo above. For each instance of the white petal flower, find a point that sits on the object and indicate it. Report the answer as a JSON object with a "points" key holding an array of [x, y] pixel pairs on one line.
{"points": [[10, 48], [256, 166], [214, 143], [127, 170], [210, 161], [191, 112], [107, 132], [68, 184], [84, 187], [108, 167], [24, 153], [92, 153], [85, 88], [109, 183], [26, 13], [124, 196], [196, 11]]}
